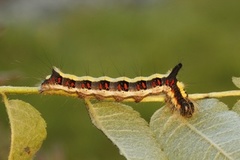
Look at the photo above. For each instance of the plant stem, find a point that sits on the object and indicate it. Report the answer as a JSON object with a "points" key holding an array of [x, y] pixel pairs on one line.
{"points": [[215, 94], [155, 98], [19, 90]]}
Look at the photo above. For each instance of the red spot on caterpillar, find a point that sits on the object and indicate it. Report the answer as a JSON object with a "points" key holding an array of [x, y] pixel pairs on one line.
{"points": [[68, 82], [144, 85], [100, 86], [59, 80], [138, 87], [119, 88], [72, 84], [167, 82], [88, 84], [159, 83], [172, 82], [154, 84], [106, 86], [103, 85], [122, 85], [141, 85], [125, 86], [82, 85]]}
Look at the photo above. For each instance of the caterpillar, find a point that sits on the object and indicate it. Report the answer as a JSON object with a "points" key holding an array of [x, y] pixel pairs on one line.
{"points": [[123, 87]]}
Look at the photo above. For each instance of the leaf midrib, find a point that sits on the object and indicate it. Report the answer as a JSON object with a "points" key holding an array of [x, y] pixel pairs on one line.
{"points": [[220, 150]]}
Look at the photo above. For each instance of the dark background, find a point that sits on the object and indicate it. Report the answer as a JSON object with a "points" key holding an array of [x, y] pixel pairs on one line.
{"points": [[114, 39]]}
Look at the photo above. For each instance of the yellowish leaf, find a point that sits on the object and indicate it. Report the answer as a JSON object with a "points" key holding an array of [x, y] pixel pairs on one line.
{"points": [[28, 129], [236, 107], [236, 81]]}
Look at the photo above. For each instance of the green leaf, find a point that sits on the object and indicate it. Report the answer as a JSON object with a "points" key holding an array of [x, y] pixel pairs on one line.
{"points": [[126, 129], [28, 129], [236, 81], [212, 133]]}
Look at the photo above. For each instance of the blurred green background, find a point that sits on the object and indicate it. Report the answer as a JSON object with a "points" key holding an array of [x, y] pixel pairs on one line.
{"points": [[125, 39]]}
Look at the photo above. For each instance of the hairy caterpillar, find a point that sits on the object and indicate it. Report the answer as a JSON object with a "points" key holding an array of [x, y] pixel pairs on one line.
{"points": [[123, 87]]}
